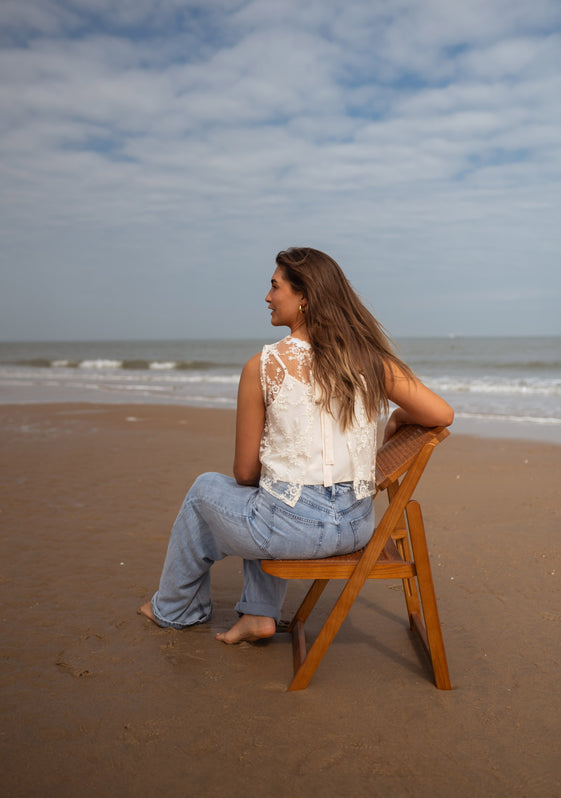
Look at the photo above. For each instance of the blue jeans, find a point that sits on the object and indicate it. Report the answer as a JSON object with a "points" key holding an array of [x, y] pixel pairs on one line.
{"points": [[220, 518]]}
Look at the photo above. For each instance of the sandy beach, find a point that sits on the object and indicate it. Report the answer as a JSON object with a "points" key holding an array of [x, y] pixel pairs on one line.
{"points": [[98, 701]]}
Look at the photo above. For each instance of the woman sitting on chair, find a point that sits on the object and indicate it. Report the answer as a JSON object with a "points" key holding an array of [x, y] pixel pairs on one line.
{"points": [[304, 463]]}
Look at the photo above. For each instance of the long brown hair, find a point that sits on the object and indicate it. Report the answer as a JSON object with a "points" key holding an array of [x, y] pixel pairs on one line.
{"points": [[350, 346]]}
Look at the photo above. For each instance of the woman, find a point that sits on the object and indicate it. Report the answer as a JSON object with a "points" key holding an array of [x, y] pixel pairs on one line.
{"points": [[305, 450]]}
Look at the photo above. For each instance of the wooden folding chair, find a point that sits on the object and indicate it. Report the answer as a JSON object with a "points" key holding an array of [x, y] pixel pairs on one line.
{"points": [[397, 550]]}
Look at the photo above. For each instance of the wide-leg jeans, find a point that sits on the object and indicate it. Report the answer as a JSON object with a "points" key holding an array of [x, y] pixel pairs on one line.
{"points": [[220, 518]]}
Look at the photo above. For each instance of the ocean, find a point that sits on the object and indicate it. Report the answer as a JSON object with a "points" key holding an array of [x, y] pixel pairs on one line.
{"points": [[504, 386]]}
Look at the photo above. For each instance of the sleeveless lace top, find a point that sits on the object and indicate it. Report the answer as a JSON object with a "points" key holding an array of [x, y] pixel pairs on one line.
{"points": [[303, 444]]}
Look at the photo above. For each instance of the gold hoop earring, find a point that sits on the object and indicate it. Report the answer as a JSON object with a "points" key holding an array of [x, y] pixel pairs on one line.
{"points": [[301, 309]]}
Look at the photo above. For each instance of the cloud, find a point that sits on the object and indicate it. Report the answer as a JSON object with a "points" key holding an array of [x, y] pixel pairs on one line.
{"points": [[150, 146]]}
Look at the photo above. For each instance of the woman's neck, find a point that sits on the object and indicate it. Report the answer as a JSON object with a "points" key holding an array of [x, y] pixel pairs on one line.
{"points": [[299, 330]]}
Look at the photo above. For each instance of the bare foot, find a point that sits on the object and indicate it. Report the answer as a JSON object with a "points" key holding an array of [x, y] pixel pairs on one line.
{"points": [[146, 610], [250, 628]]}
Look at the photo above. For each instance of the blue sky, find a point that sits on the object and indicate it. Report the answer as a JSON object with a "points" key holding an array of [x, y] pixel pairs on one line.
{"points": [[156, 154]]}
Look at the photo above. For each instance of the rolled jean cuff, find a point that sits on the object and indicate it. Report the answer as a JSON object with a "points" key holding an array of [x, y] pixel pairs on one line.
{"points": [[173, 624], [255, 608]]}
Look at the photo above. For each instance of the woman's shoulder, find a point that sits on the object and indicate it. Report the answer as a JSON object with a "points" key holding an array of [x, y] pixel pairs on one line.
{"points": [[268, 350], [253, 363]]}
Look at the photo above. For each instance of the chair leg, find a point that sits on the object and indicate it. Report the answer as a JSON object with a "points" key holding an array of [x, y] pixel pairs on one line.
{"points": [[309, 602], [409, 585], [297, 623], [400, 536], [311, 660], [428, 598], [306, 663]]}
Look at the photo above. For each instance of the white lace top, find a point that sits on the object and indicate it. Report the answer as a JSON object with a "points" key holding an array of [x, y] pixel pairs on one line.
{"points": [[303, 444]]}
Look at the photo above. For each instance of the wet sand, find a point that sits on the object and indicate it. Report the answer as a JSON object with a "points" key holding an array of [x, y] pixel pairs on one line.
{"points": [[96, 700]]}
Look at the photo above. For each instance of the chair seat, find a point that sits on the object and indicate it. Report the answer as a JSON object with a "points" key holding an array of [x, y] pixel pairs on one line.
{"points": [[390, 565]]}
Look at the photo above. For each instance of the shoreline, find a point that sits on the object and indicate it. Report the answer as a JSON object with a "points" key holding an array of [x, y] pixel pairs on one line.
{"points": [[103, 702], [502, 387]]}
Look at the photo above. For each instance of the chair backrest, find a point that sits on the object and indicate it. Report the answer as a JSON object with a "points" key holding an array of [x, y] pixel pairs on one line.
{"points": [[396, 456], [405, 454]]}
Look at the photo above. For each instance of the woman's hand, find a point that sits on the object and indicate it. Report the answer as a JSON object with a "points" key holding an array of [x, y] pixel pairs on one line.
{"points": [[250, 421], [416, 403]]}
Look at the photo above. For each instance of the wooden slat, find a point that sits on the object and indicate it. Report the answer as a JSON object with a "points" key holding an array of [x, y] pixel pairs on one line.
{"points": [[295, 569]]}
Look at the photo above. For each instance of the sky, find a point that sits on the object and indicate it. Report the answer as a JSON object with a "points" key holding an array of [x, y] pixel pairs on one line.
{"points": [[155, 155]]}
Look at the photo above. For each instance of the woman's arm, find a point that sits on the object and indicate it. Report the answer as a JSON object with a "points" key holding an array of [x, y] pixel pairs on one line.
{"points": [[417, 404], [250, 421]]}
